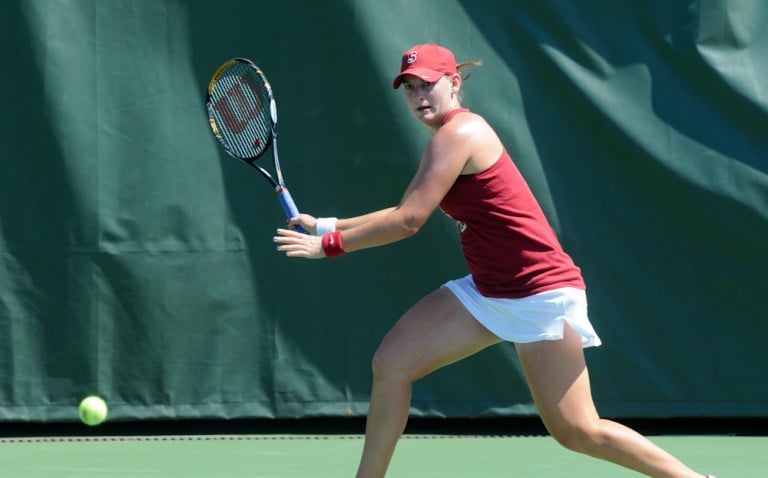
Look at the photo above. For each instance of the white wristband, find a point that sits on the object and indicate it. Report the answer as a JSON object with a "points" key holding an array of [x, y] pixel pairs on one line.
{"points": [[325, 225]]}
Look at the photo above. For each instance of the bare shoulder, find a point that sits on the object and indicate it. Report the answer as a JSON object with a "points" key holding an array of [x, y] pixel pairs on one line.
{"points": [[471, 134]]}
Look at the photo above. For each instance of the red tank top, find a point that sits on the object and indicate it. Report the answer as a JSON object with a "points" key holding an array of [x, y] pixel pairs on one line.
{"points": [[508, 244]]}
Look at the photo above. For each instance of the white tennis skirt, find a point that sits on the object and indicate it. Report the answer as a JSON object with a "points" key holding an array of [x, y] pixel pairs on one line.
{"points": [[534, 318]]}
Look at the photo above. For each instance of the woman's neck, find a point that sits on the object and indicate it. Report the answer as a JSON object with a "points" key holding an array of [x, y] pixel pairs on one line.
{"points": [[447, 117]]}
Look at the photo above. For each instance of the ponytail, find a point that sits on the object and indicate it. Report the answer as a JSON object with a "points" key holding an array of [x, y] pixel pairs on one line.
{"points": [[466, 65]]}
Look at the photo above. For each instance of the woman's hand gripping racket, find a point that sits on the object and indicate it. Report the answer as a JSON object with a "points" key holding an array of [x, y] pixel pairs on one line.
{"points": [[243, 116]]}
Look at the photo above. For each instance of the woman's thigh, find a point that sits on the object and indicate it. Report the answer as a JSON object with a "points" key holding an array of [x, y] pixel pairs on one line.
{"points": [[559, 381], [436, 331]]}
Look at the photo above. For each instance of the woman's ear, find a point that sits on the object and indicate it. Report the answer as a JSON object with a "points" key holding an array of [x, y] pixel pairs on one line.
{"points": [[455, 83]]}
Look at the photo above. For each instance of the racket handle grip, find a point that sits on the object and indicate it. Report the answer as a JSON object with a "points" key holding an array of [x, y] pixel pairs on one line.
{"points": [[289, 206]]}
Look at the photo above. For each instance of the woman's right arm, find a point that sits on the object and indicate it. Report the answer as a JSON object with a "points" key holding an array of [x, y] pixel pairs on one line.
{"points": [[309, 222], [349, 223]]}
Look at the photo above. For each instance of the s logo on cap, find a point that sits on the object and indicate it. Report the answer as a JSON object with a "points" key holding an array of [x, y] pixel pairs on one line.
{"points": [[429, 62]]}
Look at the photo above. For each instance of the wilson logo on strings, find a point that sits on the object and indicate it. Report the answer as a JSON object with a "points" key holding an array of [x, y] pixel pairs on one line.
{"points": [[240, 105]]}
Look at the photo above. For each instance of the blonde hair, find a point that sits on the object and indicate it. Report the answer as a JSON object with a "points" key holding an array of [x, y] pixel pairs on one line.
{"points": [[460, 67]]}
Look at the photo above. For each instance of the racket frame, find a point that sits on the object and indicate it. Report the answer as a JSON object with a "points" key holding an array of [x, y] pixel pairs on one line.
{"points": [[278, 184]]}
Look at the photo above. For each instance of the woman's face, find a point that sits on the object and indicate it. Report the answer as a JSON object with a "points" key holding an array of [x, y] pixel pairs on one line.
{"points": [[431, 101]]}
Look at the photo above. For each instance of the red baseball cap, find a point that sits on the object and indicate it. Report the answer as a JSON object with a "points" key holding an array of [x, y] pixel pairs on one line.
{"points": [[428, 61]]}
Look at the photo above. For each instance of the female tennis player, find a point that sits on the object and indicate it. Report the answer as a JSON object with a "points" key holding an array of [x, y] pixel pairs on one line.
{"points": [[522, 288]]}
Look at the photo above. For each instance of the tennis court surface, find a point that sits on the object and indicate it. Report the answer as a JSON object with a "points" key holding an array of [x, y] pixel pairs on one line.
{"points": [[334, 456]]}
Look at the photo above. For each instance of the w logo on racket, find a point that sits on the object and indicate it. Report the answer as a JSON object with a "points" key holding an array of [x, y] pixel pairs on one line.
{"points": [[240, 105]]}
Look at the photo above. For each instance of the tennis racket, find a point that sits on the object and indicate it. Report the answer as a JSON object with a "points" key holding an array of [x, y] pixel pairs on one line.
{"points": [[243, 116]]}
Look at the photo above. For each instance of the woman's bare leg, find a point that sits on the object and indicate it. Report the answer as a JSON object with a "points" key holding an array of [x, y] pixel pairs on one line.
{"points": [[559, 381], [435, 332]]}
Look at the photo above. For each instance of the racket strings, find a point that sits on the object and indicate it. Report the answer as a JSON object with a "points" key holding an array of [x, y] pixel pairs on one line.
{"points": [[241, 110]]}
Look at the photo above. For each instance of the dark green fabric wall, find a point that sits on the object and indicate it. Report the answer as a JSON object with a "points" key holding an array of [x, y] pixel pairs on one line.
{"points": [[136, 259]]}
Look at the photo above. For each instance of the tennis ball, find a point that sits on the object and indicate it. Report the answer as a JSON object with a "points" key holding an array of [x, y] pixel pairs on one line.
{"points": [[93, 410]]}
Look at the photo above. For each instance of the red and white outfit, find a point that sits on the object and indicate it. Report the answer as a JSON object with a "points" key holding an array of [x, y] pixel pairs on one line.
{"points": [[524, 287]]}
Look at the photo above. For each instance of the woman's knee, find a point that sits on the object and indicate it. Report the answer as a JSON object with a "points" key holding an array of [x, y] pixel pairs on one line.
{"points": [[388, 364], [577, 437]]}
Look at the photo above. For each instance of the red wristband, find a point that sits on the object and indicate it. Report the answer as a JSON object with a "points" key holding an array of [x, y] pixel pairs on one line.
{"points": [[333, 245]]}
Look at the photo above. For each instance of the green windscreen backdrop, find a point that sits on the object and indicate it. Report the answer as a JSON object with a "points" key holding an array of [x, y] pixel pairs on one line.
{"points": [[136, 258]]}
